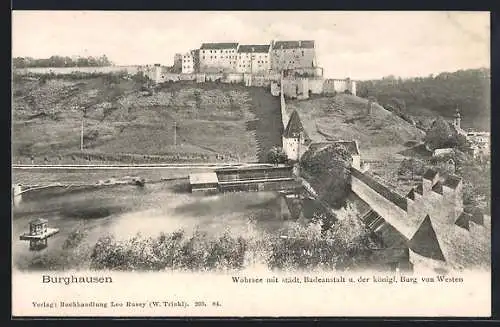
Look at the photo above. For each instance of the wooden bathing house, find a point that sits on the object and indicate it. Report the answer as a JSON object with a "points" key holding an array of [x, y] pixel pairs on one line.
{"points": [[38, 234]]}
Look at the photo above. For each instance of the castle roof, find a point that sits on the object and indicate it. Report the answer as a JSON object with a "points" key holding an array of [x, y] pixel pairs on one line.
{"points": [[255, 48], [411, 194], [294, 126], [218, 46], [438, 188], [425, 242], [430, 174], [306, 44]]}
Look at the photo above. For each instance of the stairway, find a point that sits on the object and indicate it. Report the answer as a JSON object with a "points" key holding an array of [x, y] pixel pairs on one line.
{"points": [[372, 220]]}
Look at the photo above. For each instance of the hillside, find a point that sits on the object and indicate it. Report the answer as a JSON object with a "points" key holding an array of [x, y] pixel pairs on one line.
{"points": [[427, 97], [212, 121], [345, 117], [382, 136]]}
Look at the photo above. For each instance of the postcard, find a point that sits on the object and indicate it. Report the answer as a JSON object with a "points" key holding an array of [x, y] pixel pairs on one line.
{"points": [[251, 164]]}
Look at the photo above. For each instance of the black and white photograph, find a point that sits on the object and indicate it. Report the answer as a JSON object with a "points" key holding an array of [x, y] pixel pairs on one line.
{"points": [[312, 145]]}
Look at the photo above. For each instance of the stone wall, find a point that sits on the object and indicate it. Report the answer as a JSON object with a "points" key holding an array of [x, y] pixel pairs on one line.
{"points": [[332, 86], [383, 206], [284, 115], [69, 70]]}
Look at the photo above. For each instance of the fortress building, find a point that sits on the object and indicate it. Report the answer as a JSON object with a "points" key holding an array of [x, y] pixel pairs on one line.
{"points": [[187, 63], [218, 57], [253, 59], [286, 55]]}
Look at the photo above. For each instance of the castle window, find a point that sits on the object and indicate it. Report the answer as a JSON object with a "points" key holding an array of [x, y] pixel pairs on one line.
{"points": [[203, 57], [302, 53]]}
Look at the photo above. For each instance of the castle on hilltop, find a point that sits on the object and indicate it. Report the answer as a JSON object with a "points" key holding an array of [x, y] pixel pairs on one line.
{"points": [[293, 63], [233, 57]]}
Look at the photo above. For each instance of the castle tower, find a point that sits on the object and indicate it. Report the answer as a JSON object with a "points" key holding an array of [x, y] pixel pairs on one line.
{"points": [[294, 137], [457, 119]]}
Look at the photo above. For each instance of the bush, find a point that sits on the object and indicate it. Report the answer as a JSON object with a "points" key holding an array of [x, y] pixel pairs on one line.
{"points": [[346, 244], [412, 166], [170, 251], [276, 155], [440, 135], [74, 239]]}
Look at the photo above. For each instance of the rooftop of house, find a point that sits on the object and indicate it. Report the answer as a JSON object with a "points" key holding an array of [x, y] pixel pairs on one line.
{"points": [[350, 146], [255, 48], [203, 178], [303, 44], [38, 221], [218, 46]]}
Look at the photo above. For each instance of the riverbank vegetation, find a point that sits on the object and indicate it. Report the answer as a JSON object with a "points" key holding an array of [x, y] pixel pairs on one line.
{"points": [[346, 244]]}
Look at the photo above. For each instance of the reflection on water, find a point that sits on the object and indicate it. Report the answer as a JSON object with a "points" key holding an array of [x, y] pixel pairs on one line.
{"points": [[124, 211]]}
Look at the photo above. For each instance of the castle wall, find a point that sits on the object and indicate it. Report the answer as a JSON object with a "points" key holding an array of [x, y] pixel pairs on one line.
{"points": [[233, 78], [423, 264], [392, 213], [284, 115], [332, 86], [290, 88], [69, 70], [316, 85], [275, 89]]}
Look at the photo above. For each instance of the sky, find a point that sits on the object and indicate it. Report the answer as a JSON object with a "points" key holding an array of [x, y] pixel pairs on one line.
{"points": [[360, 45]]}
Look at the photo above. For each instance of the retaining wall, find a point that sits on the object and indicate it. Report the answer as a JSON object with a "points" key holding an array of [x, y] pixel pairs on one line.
{"points": [[69, 70]]}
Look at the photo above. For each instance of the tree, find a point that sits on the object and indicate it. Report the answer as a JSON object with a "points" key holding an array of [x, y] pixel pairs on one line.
{"points": [[412, 166], [440, 135], [328, 172], [276, 155], [439, 95], [399, 104], [346, 244]]}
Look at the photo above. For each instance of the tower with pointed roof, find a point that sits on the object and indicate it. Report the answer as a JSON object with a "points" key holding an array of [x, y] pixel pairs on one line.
{"points": [[294, 137]]}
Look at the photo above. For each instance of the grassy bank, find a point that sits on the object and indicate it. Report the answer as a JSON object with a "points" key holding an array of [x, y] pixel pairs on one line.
{"points": [[199, 121]]}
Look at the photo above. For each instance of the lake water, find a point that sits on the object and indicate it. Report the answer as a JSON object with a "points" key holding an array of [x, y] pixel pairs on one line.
{"points": [[124, 211]]}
